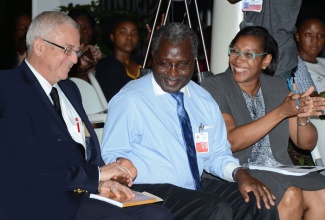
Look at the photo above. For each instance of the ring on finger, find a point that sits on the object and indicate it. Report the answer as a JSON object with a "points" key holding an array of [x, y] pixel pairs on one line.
{"points": [[297, 107], [264, 187]]}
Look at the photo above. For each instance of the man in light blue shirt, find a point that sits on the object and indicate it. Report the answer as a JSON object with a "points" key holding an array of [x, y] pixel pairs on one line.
{"points": [[143, 128]]}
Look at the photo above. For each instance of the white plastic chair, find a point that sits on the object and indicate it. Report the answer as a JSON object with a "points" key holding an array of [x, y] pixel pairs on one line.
{"points": [[315, 154], [94, 105], [90, 100], [318, 153], [99, 91]]}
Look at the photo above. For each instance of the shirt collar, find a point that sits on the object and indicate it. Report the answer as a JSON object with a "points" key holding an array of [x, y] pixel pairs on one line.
{"points": [[47, 87], [158, 91]]}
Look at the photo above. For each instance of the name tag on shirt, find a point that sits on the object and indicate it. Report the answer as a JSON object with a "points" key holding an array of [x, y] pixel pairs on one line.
{"points": [[252, 5], [201, 140]]}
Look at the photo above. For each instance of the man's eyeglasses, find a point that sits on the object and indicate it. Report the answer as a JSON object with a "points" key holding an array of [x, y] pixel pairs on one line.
{"points": [[245, 55], [180, 67], [67, 50]]}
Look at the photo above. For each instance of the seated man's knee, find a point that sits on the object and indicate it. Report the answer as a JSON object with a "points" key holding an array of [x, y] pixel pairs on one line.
{"points": [[251, 211], [221, 209]]}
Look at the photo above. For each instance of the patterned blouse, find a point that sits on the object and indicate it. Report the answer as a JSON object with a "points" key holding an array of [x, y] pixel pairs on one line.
{"points": [[261, 152]]}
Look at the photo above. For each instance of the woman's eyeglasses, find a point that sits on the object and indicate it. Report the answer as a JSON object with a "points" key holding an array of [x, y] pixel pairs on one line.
{"points": [[245, 55]]}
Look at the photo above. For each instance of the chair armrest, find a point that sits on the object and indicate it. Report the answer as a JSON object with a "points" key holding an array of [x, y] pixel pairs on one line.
{"points": [[97, 118]]}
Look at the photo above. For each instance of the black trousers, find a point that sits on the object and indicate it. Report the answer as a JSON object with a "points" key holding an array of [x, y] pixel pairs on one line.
{"points": [[92, 209], [216, 200]]}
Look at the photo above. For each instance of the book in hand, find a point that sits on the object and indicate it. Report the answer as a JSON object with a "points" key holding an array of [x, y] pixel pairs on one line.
{"points": [[139, 199], [288, 169]]}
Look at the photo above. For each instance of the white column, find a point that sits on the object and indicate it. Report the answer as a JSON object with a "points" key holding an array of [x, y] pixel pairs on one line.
{"points": [[225, 25], [39, 6]]}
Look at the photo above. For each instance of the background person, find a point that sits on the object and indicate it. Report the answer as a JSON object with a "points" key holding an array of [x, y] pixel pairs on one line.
{"points": [[91, 53], [274, 17], [21, 25], [260, 115], [310, 37], [122, 66], [13, 42]]}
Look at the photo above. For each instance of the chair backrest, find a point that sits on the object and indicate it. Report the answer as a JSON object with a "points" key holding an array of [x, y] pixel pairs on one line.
{"points": [[90, 100], [315, 154], [319, 151], [99, 91]]}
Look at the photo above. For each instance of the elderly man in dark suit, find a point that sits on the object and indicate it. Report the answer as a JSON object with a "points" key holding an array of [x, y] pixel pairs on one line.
{"points": [[47, 165]]}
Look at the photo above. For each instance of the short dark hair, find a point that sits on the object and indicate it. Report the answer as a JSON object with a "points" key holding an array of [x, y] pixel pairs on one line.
{"points": [[303, 20], [112, 22], [77, 12], [269, 45], [175, 32]]}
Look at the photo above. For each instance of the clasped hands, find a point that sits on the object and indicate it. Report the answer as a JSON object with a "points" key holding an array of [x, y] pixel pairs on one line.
{"points": [[116, 178], [309, 106], [89, 58]]}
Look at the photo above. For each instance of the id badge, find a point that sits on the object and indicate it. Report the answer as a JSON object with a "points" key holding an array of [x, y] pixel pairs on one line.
{"points": [[252, 5], [202, 142]]}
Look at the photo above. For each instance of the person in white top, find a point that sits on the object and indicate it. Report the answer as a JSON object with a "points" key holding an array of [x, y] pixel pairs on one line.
{"points": [[310, 37]]}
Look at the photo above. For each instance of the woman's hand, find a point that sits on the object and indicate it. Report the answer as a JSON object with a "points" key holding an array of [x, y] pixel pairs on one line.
{"points": [[96, 53], [289, 107], [148, 28], [88, 60], [301, 105], [91, 54], [311, 106]]}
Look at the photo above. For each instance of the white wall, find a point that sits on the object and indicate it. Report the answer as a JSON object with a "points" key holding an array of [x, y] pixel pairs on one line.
{"points": [[39, 6], [225, 25]]}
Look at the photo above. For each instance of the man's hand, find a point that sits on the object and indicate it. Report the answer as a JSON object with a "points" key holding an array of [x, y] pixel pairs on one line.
{"points": [[246, 184], [128, 165], [111, 189], [115, 171]]}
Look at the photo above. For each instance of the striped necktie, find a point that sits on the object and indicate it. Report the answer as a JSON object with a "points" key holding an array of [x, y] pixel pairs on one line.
{"points": [[187, 132]]}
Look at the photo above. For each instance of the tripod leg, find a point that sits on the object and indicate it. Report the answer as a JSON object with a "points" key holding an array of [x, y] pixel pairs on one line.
{"points": [[167, 11], [190, 25], [202, 38], [152, 31]]}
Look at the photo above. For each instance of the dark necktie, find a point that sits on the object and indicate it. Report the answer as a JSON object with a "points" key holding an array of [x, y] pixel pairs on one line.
{"points": [[56, 101], [187, 132]]}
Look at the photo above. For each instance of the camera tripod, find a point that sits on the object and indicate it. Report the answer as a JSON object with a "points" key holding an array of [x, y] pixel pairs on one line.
{"points": [[200, 75]]}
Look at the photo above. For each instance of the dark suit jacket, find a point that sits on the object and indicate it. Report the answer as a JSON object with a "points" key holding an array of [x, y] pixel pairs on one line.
{"points": [[40, 164]]}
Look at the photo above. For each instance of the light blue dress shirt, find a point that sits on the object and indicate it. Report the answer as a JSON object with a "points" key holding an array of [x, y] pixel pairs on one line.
{"points": [[142, 125]]}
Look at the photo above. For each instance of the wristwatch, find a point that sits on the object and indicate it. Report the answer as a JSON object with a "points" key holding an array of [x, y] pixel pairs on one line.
{"points": [[234, 172]]}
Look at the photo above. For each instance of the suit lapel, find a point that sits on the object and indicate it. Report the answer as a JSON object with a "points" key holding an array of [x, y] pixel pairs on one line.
{"points": [[30, 79]]}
